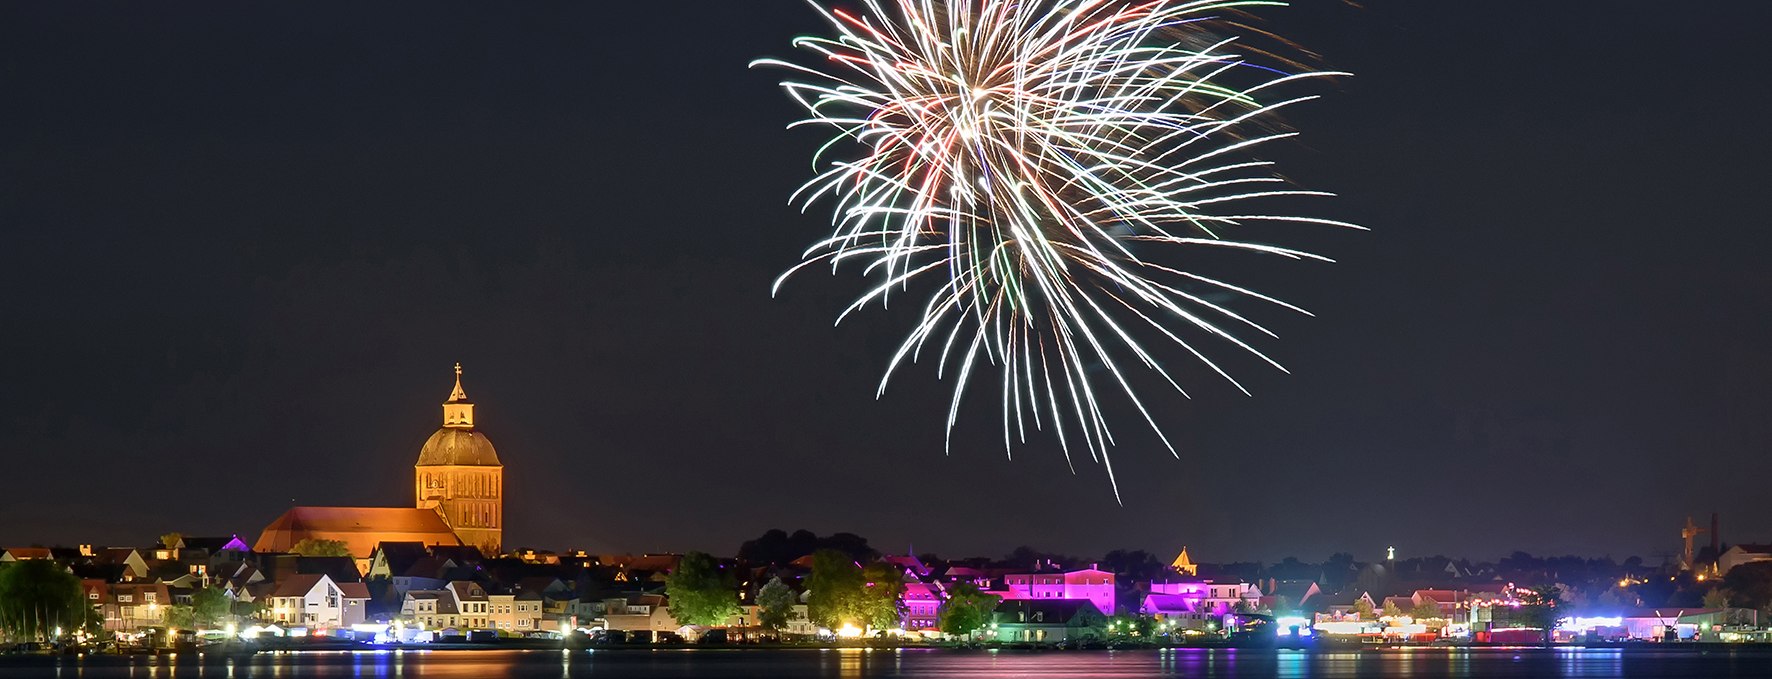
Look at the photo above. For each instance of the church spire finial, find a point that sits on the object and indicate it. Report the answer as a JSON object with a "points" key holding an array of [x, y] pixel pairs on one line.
{"points": [[458, 394], [458, 411]]}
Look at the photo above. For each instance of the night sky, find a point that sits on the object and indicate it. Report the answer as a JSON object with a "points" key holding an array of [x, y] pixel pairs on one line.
{"points": [[245, 244]]}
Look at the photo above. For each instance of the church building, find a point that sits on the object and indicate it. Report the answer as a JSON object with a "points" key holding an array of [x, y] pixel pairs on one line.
{"points": [[458, 498], [459, 476]]}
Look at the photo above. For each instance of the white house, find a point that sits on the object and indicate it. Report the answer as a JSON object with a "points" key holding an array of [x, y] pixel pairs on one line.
{"points": [[315, 600]]}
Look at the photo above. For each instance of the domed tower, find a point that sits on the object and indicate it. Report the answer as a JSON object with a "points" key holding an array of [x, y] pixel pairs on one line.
{"points": [[459, 475]]}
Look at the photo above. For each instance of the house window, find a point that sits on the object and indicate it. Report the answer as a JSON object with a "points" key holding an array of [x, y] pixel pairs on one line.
{"points": [[148, 597], [125, 598]]}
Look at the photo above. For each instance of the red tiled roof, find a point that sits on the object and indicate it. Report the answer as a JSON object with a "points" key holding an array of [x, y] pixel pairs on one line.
{"points": [[353, 590], [28, 552], [297, 585], [360, 528]]}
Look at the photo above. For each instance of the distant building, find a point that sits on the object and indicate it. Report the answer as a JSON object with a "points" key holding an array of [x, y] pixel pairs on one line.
{"points": [[315, 600], [1090, 584], [1740, 555], [458, 496], [459, 476], [1048, 621], [1184, 565]]}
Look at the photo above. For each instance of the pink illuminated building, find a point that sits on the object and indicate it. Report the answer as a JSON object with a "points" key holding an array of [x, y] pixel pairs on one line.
{"points": [[1095, 586], [922, 606]]}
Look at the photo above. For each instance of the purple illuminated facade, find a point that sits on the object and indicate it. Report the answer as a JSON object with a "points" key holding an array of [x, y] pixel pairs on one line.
{"points": [[1089, 584]]}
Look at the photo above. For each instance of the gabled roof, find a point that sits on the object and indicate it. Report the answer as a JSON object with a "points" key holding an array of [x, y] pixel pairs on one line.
{"points": [[466, 590], [1751, 549], [1157, 604], [445, 602], [297, 585], [23, 553], [353, 590], [1439, 596], [216, 544]]}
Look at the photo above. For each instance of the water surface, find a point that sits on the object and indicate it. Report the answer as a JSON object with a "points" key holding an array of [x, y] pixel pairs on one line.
{"points": [[859, 663]]}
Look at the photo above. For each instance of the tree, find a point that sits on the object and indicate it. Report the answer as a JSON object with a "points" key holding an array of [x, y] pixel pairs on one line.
{"points": [[966, 610], [833, 595], [1717, 598], [1132, 565], [171, 540], [318, 547], [882, 599], [700, 593], [777, 547], [1540, 607], [38, 596], [1426, 610], [210, 606], [775, 602], [1750, 584], [1392, 610], [179, 617], [1363, 609]]}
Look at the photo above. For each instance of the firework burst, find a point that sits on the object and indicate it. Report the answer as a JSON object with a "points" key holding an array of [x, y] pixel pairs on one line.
{"points": [[1022, 156]]}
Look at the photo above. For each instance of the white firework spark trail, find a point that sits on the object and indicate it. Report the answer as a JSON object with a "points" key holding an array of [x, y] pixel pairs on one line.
{"points": [[1016, 152]]}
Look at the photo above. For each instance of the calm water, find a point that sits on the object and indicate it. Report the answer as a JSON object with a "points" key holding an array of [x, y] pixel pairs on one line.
{"points": [[648, 664]]}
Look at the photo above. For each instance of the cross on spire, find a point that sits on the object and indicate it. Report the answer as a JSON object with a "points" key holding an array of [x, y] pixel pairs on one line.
{"points": [[458, 411]]}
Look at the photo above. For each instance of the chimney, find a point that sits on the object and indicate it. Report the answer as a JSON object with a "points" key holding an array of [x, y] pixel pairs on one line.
{"points": [[1715, 540]]}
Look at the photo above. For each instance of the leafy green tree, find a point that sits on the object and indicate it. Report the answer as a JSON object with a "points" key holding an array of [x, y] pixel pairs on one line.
{"points": [[1751, 585], [1717, 598], [37, 596], [1541, 607], [171, 540], [1363, 609], [318, 547], [700, 593], [1391, 610], [882, 596], [966, 610], [1425, 610], [256, 610], [179, 617], [775, 602], [834, 590], [211, 606]]}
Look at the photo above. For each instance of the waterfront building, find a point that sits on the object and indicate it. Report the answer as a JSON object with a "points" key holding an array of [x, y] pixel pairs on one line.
{"points": [[1088, 584], [133, 606], [318, 601], [430, 609], [1048, 621], [517, 613]]}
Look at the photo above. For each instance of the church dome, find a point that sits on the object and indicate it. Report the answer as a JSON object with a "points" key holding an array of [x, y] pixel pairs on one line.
{"points": [[458, 443], [457, 446]]}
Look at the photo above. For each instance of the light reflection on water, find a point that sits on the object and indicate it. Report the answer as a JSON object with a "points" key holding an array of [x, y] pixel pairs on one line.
{"points": [[854, 663]]}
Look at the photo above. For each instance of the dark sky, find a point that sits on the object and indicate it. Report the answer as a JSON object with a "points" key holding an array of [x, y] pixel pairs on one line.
{"points": [[244, 244]]}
